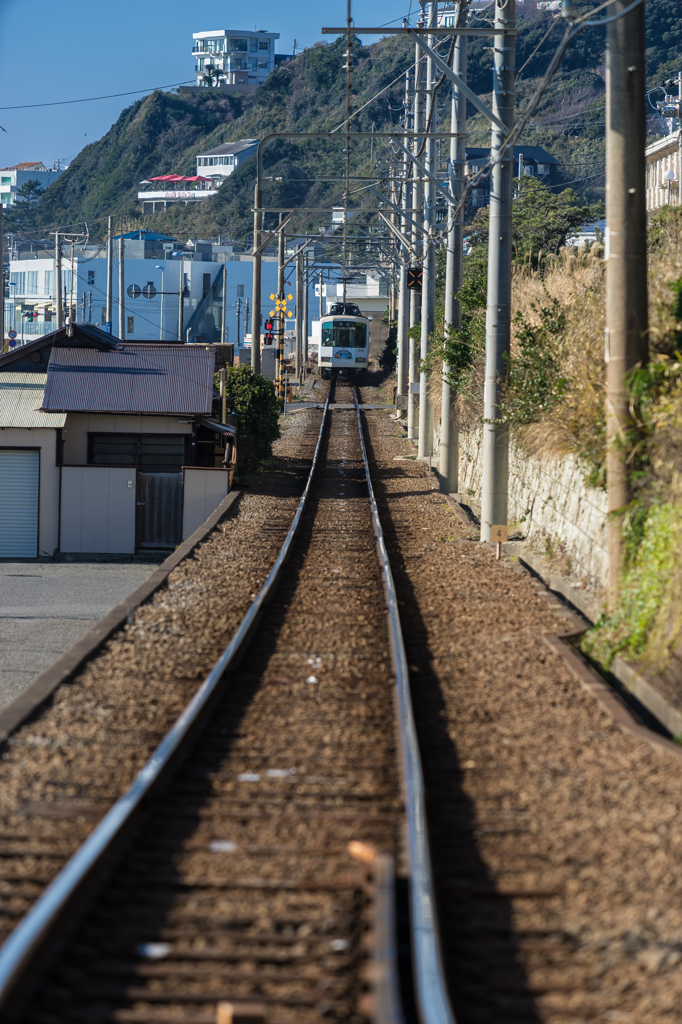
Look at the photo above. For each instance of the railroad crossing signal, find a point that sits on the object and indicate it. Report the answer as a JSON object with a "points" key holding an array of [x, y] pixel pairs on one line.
{"points": [[414, 279], [280, 309]]}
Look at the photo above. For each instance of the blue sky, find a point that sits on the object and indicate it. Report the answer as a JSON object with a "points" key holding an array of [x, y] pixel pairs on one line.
{"points": [[60, 51]]}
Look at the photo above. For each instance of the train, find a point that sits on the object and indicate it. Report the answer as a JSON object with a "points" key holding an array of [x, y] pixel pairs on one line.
{"points": [[344, 342]]}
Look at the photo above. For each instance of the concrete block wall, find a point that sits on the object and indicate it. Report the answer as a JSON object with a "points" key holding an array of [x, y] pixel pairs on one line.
{"points": [[549, 505]]}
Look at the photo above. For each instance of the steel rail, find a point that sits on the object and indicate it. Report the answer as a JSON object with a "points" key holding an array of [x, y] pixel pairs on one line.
{"points": [[431, 993], [36, 927]]}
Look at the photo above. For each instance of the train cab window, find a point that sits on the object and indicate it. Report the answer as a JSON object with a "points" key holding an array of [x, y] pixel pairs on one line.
{"points": [[344, 334]]}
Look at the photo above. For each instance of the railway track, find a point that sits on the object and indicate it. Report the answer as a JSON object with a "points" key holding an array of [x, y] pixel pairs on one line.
{"points": [[253, 857]]}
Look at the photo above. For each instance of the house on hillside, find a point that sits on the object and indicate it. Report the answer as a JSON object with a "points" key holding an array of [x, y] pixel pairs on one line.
{"points": [[220, 162], [107, 448], [228, 58], [12, 178], [529, 160]]}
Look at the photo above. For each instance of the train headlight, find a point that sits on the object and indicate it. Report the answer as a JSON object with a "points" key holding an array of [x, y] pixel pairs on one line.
{"points": [[360, 359]]}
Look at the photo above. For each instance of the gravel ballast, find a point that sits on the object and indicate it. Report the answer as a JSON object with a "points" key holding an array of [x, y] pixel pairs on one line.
{"points": [[61, 771], [556, 838]]}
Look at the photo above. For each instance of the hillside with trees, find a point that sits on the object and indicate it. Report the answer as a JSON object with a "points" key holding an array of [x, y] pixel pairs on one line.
{"points": [[162, 133]]}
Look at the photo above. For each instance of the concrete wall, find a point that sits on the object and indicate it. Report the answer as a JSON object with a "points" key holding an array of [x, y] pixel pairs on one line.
{"points": [[79, 425], [98, 510], [203, 490], [48, 518], [549, 505]]}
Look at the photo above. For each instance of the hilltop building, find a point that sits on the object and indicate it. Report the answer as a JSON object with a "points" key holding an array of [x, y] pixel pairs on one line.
{"points": [[528, 160], [229, 57], [12, 178], [223, 160]]}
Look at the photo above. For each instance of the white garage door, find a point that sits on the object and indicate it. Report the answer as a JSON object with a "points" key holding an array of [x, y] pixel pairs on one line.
{"points": [[19, 475]]}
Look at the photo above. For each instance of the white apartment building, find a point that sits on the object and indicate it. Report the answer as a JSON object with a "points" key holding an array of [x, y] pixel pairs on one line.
{"points": [[223, 160], [663, 165], [229, 57], [12, 178]]}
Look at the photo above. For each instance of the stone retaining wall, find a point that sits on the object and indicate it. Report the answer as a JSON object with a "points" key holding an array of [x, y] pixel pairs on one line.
{"points": [[549, 506]]}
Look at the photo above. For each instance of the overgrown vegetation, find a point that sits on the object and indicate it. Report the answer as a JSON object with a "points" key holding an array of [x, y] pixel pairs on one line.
{"points": [[256, 403]]}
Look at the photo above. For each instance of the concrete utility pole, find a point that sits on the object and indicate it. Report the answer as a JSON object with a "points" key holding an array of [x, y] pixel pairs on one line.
{"points": [[626, 270], [108, 323], [239, 322], [256, 296], [181, 300], [299, 313], [58, 281], [415, 296], [282, 314], [121, 287], [449, 435], [223, 330], [498, 314], [321, 299], [425, 441], [306, 312], [403, 294], [246, 317]]}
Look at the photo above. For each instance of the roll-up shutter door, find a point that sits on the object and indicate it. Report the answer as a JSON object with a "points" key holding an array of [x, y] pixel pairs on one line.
{"points": [[19, 478]]}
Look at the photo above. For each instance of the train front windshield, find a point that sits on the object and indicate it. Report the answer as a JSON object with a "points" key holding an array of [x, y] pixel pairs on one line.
{"points": [[344, 334]]}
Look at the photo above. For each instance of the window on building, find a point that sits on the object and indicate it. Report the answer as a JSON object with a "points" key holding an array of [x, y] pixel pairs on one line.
{"points": [[32, 282], [47, 290], [6, 181], [131, 325], [240, 291], [91, 276], [544, 168], [207, 284], [237, 63], [19, 282], [263, 44], [153, 453], [253, 45], [253, 65], [262, 64], [238, 44]]}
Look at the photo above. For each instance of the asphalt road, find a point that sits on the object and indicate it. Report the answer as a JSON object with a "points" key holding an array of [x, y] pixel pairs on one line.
{"points": [[47, 607]]}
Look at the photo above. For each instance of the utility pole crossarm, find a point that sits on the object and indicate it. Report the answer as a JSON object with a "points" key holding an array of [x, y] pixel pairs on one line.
{"points": [[272, 234], [396, 231], [397, 210], [460, 83], [295, 254], [424, 171]]}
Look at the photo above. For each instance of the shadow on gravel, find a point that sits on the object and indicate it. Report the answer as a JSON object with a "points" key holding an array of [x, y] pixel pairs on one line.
{"points": [[481, 955]]}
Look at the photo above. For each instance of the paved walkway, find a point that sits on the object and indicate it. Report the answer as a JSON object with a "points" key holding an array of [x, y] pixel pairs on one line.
{"points": [[47, 607]]}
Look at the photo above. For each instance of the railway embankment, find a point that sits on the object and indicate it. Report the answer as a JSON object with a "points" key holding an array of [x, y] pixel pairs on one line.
{"points": [[555, 835]]}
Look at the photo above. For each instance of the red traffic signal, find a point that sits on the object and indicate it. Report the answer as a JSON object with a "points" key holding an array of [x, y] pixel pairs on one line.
{"points": [[269, 326]]}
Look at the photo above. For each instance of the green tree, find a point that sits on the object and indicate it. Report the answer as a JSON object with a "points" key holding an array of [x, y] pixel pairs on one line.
{"points": [[541, 222], [256, 404], [30, 191]]}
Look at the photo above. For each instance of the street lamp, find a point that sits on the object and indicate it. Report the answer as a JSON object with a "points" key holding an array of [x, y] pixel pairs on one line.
{"points": [[160, 266], [669, 175]]}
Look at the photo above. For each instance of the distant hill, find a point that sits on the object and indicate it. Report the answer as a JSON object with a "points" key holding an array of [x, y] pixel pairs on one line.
{"points": [[163, 132]]}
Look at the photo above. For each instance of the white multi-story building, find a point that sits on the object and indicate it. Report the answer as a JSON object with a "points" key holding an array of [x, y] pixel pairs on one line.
{"points": [[663, 166], [223, 160], [229, 57], [12, 178]]}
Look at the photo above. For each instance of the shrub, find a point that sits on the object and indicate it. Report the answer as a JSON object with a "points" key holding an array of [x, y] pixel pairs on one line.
{"points": [[256, 403]]}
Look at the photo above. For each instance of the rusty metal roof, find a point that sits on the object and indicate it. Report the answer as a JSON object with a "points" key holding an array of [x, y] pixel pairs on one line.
{"points": [[21, 396], [145, 378]]}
